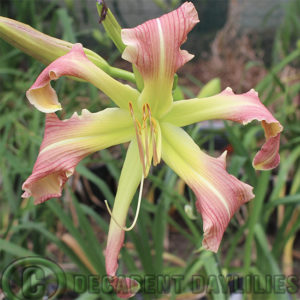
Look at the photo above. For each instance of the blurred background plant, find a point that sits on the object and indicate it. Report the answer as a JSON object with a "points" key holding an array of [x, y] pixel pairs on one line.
{"points": [[262, 239]]}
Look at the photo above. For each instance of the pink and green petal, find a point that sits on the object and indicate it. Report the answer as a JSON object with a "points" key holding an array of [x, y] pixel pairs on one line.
{"points": [[67, 142], [124, 287], [130, 179], [243, 109], [219, 194], [76, 64], [154, 48]]}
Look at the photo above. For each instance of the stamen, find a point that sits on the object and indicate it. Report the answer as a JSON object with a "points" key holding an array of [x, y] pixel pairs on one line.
{"points": [[137, 209], [144, 113], [155, 156], [152, 128], [146, 137], [145, 126], [131, 109], [138, 132]]}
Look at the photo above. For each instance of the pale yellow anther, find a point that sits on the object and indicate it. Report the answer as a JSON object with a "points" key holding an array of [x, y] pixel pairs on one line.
{"points": [[145, 116], [131, 109], [139, 127]]}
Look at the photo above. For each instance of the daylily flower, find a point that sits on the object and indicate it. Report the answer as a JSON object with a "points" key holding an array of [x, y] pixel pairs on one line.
{"points": [[151, 122]]}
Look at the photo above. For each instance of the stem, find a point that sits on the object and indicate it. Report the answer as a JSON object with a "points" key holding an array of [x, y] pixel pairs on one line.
{"points": [[255, 211], [121, 74]]}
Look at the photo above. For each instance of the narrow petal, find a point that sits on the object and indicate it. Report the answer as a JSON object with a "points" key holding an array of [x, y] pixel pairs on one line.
{"points": [[219, 194], [130, 179], [66, 142], [154, 47], [243, 109], [124, 287], [76, 64]]}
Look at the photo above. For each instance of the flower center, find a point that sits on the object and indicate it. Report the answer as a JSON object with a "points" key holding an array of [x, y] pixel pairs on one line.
{"points": [[148, 137]]}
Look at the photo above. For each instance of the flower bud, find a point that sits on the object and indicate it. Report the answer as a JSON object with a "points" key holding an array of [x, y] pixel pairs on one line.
{"points": [[110, 24], [39, 45], [212, 88]]}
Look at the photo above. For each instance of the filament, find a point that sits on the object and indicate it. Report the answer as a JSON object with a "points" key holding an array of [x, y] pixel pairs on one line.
{"points": [[152, 129], [145, 126], [137, 209], [146, 135], [138, 132]]}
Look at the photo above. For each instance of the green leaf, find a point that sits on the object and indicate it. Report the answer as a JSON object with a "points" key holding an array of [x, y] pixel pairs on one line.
{"points": [[15, 249], [217, 283]]}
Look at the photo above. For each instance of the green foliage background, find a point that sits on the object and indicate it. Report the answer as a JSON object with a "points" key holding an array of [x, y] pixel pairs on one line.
{"points": [[261, 241]]}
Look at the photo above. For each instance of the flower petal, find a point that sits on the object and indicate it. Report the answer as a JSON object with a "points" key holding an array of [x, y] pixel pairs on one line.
{"points": [[66, 142], [130, 179], [124, 287], [76, 64], [242, 108], [154, 47], [219, 194]]}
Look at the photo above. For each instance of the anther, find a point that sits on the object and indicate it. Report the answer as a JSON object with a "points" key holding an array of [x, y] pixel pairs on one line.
{"points": [[131, 109]]}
